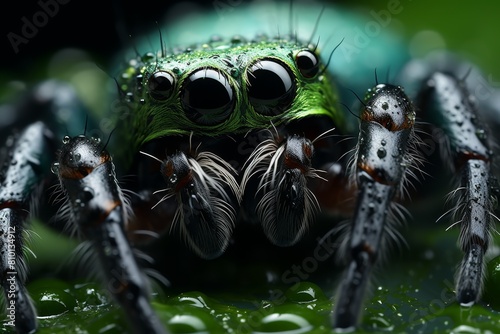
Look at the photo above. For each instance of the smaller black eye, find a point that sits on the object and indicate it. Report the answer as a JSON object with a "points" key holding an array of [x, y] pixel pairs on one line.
{"points": [[271, 87], [307, 63], [161, 85], [207, 97]]}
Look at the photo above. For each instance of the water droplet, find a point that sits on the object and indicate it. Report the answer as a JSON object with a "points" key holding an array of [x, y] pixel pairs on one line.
{"points": [[292, 322], [66, 139], [55, 168], [294, 193], [385, 105], [235, 72], [304, 293], [381, 153], [77, 157], [383, 142], [381, 323], [481, 134], [87, 194], [173, 178], [194, 299]]}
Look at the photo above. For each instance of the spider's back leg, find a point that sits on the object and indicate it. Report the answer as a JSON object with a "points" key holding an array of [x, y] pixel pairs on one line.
{"points": [[446, 98], [28, 132], [22, 170], [454, 97]]}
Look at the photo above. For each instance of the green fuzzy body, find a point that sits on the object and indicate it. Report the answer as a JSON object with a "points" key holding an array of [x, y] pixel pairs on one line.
{"points": [[153, 119]]}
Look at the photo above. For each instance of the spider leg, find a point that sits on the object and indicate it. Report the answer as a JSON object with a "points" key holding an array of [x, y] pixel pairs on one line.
{"points": [[447, 102], [42, 113], [97, 207], [386, 130], [21, 172]]}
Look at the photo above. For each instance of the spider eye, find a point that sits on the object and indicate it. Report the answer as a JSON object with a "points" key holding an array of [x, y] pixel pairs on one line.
{"points": [[161, 85], [307, 63], [207, 97], [271, 87]]}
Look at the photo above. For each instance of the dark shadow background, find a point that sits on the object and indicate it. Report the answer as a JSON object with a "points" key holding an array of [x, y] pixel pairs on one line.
{"points": [[92, 25], [89, 25]]}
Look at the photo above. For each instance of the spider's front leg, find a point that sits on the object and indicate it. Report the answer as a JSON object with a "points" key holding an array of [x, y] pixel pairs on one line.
{"points": [[386, 133], [96, 205]]}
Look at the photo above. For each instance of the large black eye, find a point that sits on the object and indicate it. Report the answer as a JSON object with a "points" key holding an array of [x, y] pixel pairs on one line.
{"points": [[161, 85], [271, 87], [207, 97], [307, 63]]}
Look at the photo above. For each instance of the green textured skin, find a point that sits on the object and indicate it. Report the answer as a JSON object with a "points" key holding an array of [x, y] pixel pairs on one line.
{"points": [[152, 119]]}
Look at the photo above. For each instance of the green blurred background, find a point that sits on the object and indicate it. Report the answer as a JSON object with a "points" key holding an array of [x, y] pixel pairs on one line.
{"points": [[468, 28]]}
